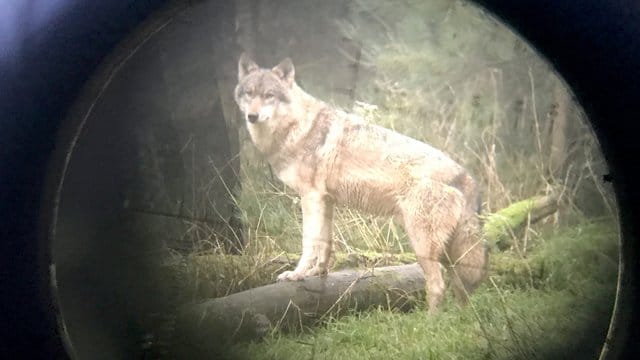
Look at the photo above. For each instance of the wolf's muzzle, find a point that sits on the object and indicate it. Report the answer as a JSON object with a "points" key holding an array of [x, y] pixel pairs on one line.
{"points": [[252, 118]]}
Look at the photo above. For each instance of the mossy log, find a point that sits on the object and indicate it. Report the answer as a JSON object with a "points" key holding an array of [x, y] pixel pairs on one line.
{"points": [[252, 313], [501, 227]]}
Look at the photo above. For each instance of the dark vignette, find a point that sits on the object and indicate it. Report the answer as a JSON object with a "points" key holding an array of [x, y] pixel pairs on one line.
{"points": [[593, 44]]}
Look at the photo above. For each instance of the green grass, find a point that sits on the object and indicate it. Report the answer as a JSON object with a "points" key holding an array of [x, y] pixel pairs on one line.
{"points": [[563, 314], [528, 324]]}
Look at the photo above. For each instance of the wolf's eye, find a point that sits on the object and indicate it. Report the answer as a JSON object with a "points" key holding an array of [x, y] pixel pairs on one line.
{"points": [[269, 95]]}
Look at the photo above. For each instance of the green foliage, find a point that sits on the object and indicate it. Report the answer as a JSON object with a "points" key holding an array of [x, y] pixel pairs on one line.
{"points": [[581, 258]]}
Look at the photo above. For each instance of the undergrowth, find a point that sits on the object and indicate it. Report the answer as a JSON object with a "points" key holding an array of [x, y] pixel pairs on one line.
{"points": [[564, 313]]}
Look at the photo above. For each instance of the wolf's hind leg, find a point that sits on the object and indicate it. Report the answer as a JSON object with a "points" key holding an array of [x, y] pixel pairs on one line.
{"points": [[430, 218], [317, 216], [428, 248], [468, 257]]}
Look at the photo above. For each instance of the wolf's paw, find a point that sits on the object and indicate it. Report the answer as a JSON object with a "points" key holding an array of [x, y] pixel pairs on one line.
{"points": [[316, 270], [291, 276], [297, 275]]}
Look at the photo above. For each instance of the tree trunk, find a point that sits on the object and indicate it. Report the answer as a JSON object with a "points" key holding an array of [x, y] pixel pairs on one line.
{"points": [[558, 115]]}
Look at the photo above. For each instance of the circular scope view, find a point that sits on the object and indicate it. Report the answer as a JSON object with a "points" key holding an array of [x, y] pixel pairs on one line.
{"points": [[332, 180]]}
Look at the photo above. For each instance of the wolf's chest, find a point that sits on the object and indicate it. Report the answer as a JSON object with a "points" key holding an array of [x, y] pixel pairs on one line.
{"points": [[290, 176], [301, 176]]}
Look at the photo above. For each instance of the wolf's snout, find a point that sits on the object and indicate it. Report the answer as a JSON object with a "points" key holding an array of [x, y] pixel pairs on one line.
{"points": [[252, 118]]}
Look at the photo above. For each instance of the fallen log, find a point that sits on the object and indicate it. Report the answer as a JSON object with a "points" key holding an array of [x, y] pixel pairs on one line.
{"points": [[253, 313]]}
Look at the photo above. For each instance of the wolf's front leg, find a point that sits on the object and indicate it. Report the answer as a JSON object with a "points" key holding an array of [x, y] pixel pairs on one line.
{"points": [[317, 223]]}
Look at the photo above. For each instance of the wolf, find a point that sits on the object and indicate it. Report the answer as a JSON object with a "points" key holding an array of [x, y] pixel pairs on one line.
{"points": [[331, 157]]}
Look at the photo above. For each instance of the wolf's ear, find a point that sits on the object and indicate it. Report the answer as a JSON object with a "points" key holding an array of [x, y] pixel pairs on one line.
{"points": [[246, 66], [285, 71]]}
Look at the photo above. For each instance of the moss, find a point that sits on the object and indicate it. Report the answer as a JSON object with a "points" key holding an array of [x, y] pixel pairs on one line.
{"points": [[498, 227]]}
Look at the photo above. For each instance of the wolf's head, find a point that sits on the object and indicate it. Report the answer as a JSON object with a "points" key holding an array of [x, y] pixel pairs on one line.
{"points": [[260, 93]]}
